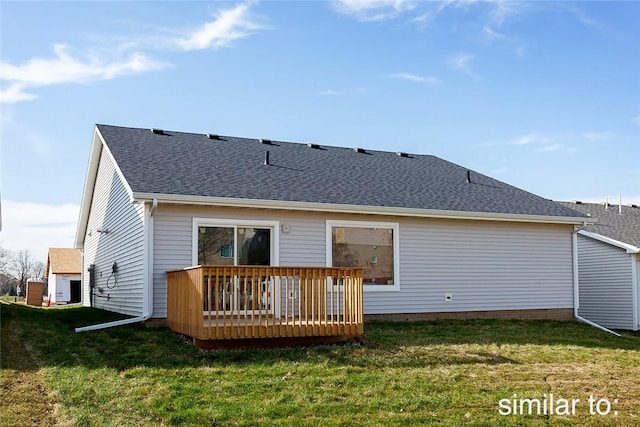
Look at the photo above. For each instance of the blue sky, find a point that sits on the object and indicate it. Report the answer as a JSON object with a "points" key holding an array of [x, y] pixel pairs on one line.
{"points": [[542, 95]]}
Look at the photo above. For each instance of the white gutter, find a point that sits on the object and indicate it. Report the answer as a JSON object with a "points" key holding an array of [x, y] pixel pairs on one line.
{"points": [[576, 287], [371, 210], [627, 247], [148, 275]]}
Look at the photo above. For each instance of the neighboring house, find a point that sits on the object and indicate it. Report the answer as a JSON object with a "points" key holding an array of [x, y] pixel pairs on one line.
{"points": [[609, 265], [435, 239], [64, 274]]}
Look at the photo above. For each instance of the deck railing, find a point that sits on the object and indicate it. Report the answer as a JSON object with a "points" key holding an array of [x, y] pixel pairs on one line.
{"points": [[246, 302]]}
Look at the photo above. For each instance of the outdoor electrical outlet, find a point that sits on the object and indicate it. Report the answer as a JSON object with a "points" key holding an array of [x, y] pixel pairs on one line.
{"points": [[448, 297]]}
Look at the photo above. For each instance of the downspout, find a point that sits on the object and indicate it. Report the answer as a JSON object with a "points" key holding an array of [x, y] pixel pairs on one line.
{"points": [[148, 301], [576, 286], [635, 289]]}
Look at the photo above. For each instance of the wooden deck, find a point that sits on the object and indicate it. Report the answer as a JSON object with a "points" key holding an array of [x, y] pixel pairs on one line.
{"points": [[256, 302]]}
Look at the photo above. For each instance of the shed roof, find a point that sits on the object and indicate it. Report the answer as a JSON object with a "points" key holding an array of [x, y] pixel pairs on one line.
{"points": [[63, 261], [621, 223], [192, 164]]}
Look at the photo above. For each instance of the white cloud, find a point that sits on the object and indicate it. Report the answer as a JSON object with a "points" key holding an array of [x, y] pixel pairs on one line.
{"points": [[462, 62], [520, 50], [582, 16], [597, 136], [528, 139], [38, 227], [227, 26], [541, 143], [91, 65], [15, 93], [494, 36], [331, 92], [67, 68], [374, 10], [552, 147], [415, 78], [423, 12], [505, 10]]}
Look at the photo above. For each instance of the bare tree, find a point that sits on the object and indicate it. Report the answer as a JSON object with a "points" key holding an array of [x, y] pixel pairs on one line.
{"points": [[7, 284], [5, 260], [37, 270], [21, 267], [16, 268], [7, 281]]}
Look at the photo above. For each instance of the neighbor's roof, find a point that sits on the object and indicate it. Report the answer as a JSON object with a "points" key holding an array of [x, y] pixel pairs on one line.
{"points": [[623, 227], [192, 164], [63, 261]]}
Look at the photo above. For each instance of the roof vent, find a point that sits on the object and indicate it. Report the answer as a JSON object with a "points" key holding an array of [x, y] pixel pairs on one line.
{"points": [[577, 202], [157, 131], [310, 145], [633, 206], [213, 136], [266, 158], [468, 176], [360, 150], [266, 141], [402, 154]]}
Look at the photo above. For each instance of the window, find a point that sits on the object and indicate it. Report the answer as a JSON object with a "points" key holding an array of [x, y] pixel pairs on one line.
{"points": [[232, 242], [215, 246], [224, 243], [372, 245]]}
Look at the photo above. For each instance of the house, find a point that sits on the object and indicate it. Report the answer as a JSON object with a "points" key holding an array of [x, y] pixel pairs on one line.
{"points": [[64, 274], [609, 265], [432, 239]]}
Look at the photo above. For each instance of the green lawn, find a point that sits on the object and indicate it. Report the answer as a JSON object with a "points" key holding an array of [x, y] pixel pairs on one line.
{"points": [[422, 373]]}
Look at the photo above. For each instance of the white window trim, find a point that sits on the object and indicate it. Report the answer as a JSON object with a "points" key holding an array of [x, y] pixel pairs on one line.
{"points": [[235, 224], [330, 223]]}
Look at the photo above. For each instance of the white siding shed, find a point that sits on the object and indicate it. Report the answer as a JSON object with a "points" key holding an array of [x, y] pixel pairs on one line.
{"points": [[608, 281]]}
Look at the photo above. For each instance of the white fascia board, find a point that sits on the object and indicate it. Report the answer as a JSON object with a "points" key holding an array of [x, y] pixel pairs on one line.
{"points": [[89, 184], [368, 210], [629, 248], [97, 145]]}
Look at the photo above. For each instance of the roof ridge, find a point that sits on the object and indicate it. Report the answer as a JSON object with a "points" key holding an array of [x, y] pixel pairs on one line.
{"points": [[279, 141]]}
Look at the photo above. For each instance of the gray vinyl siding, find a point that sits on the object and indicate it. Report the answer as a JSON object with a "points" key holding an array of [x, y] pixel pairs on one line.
{"points": [[84, 276], [303, 245], [484, 265], [605, 278], [112, 209]]}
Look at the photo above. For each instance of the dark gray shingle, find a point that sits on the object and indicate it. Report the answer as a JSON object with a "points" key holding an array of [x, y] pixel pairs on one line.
{"points": [[192, 164], [623, 227]]}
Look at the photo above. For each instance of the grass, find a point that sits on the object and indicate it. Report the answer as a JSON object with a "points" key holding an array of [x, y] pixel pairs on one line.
{"points": [[422, 373]]}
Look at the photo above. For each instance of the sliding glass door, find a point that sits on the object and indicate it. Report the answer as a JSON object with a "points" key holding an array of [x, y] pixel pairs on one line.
{"points": [[237, 245]]}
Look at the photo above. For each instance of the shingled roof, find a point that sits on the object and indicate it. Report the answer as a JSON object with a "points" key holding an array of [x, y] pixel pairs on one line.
{"points": [[615, 222], [201, 165], [63, 261]]}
